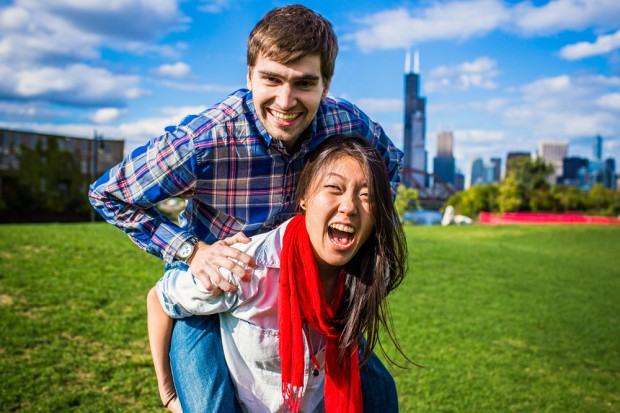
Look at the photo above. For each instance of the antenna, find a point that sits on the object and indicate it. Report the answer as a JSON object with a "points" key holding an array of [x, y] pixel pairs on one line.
{"points": [[416, 62], [408, 61]]}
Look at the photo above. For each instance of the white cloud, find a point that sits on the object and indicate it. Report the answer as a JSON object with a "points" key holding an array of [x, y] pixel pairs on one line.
{"points": [[609, 101], [603, 44], [107, 115], [454, 20], [478, 73], [556, 16], [76, 84], [176, 70], [460, 20], [374, 105], [214, 6], [200, 87], [29, 110], [566, 106]]}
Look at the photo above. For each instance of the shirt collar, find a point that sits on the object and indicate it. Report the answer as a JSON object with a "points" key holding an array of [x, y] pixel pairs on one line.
{"points": [[249, 105]]}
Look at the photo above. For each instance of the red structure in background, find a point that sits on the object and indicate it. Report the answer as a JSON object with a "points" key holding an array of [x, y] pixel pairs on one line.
{"points": [[545, 219]]}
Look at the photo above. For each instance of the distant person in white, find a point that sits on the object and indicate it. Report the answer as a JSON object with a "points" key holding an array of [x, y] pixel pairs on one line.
{"points": [[290, 331]]}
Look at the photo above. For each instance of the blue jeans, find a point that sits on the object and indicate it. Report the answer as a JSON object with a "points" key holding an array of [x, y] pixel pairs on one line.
{"points": [[203, 383]]}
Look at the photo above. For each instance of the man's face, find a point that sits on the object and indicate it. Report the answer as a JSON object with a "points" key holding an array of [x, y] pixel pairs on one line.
{"points": [[287, 97]]}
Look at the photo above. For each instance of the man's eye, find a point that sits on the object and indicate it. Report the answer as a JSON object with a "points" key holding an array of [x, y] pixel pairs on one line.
{"points": [[306, 85]]}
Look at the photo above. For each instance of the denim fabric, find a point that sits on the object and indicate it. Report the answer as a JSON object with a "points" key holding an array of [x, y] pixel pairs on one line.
{"points": [[204, 385], [198, 366]]}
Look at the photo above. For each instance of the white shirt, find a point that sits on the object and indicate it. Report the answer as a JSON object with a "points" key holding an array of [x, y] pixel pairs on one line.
{"points": [[249, 326]]}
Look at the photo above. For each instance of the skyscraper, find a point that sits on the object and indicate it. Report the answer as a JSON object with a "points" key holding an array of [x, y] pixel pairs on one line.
{"points": [[445, 143], [554, 152], [415, 126], [444, 165], [477, 172], [597, 148], [496, 167]]}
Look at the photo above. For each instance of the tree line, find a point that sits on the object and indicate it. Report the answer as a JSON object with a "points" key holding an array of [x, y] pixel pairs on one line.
{"points": [[526, 188]]}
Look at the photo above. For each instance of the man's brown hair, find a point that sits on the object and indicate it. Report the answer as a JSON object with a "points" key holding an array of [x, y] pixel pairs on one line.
{"points": [[290, 33]]}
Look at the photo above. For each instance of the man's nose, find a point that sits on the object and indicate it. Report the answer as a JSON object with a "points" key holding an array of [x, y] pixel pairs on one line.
{"points": [[285, 97]]}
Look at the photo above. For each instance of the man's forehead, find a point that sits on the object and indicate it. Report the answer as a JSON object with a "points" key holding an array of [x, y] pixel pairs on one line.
{"points": [[307, 66]]}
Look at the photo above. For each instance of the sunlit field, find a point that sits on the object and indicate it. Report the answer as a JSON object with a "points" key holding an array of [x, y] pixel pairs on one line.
{"points": [[500, 319]]}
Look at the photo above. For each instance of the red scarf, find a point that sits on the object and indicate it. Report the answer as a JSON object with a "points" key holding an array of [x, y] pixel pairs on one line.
{"points": [[301, 297]]}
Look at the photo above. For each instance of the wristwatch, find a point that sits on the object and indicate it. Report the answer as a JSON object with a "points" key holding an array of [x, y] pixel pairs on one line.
{"points": [[186, 249]]}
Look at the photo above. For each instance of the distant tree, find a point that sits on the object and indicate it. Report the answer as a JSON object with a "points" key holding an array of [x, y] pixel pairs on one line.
{"points": [[569, 198], [49, 181], [474, 200], [542, 200], [603, 201], [510, 197], [532, 173], [406, 199]]}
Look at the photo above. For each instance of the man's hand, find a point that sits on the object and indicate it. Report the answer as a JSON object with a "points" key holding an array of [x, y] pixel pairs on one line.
{"points": [[207, 259]]}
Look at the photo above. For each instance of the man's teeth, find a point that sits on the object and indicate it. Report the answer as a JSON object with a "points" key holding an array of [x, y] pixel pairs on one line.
{"points": [[343, 228], [285, 116]]}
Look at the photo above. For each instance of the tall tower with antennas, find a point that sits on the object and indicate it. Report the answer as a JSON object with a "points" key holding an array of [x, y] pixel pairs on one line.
{"points": [[414, 137]]}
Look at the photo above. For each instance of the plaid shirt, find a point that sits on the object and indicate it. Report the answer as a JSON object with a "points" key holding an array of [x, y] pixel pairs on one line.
{"points": [[234, 176]]}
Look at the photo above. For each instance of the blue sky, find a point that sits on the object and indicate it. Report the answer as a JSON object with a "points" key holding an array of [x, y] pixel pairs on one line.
{"points": [[502, 75]]}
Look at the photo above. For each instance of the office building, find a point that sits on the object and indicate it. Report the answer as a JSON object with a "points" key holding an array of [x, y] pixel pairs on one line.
{"points": [[444, 164], [414, 137], [575, 170], [496, 170], [597, 148], [477, 172], [46, 177], [553, 152]]}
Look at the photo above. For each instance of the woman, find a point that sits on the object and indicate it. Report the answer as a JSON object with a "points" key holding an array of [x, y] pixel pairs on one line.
{"points": [[290, 333]]}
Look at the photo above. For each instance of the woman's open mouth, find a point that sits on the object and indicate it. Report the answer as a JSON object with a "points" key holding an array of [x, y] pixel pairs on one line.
{"points": [[341, 235]]}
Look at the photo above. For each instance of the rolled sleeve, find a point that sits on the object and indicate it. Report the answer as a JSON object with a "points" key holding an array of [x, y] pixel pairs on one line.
{"points": [[126, 195], [182, 295]]}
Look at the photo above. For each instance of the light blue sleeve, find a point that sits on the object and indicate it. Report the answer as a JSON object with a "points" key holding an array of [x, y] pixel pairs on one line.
{"points": [[182, 295]]}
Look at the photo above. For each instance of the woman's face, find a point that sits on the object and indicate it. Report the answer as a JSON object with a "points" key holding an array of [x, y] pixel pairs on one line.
{"points": [[337, 210]]}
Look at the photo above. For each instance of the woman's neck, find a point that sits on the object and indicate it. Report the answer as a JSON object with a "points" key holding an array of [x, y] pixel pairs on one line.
{"points": [[329, 278]]}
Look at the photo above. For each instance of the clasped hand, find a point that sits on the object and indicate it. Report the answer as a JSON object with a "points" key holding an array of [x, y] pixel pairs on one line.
{"points": [[208, 259]]}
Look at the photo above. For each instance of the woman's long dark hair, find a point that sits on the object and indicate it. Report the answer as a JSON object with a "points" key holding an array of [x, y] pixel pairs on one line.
{"points": [[380, 264]]}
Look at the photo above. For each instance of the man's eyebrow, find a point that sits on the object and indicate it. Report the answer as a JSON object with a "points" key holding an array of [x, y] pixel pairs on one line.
{"points": [[305, 76]]}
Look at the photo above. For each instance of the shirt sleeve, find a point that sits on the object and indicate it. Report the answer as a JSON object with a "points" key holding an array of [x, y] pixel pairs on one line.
{"points": [[126, 195], [182, 295]]}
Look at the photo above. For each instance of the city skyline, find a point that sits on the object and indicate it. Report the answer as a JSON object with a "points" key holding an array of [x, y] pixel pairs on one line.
{"points": [[502, 75]]}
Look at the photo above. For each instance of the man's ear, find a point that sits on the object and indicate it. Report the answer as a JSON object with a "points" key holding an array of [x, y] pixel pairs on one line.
{"points": [[248, 78], [325, 89]]}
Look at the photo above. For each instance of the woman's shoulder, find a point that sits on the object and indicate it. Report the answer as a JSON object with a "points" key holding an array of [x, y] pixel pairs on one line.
{"points": [[266, 248]]}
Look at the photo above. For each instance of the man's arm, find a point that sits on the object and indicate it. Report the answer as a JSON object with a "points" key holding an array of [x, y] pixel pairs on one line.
{"points": [[126, 196]]}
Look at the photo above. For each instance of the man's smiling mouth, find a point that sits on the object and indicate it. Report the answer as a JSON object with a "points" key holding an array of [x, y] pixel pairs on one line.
{"points": [[284, 116]]}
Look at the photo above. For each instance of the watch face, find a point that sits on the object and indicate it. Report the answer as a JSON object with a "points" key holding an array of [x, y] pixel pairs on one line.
{"points": [[185, 250]]}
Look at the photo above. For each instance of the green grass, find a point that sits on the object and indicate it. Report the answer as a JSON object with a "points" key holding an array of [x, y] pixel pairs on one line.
{"points": [[502, 319]]}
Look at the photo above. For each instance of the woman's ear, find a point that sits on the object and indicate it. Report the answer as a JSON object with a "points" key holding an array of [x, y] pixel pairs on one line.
{"points": [[302, 204]]}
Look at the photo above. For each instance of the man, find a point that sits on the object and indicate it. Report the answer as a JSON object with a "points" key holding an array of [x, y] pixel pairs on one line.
{"points": [[237, 165]]}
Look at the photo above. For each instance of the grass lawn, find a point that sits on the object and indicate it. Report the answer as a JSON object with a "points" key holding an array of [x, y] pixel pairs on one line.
{"points": [[502, 319]]}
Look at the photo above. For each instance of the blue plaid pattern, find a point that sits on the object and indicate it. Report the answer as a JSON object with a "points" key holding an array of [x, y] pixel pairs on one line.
{"points": [[224, 163]]}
